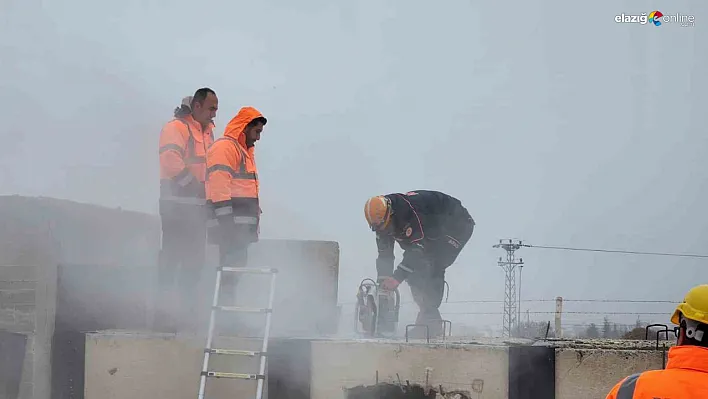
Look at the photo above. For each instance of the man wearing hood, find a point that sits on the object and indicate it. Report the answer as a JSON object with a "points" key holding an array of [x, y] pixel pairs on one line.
{"points": [[232, 193]]}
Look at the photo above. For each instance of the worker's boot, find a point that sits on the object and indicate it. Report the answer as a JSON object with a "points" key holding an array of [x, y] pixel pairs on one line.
{"points": [[433, 330], [429, 324]]}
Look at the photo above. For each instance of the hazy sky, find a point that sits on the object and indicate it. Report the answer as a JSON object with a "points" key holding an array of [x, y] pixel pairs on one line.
{"points": [[552, 123]]}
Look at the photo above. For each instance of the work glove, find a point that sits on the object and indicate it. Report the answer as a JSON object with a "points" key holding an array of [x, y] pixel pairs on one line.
{"points": [[388, 283]]}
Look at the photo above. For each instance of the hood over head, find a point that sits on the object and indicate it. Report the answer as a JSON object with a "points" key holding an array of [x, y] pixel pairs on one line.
{"points": [[187, 101], [236, 126]]}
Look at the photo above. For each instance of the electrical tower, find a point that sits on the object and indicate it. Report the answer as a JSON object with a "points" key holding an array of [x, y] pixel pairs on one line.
{"points": [[512, 308]]}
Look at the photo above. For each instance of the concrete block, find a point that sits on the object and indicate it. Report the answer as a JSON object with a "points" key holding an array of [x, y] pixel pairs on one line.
{"points": [[337, 365], [7, 318], [68, 356], [18, 273], [43, 231], [17, 285], [28, 375], [591, 373], [25, 318], [532, 372], [98, 297], [39, 233], [141, 366], [13, 320], [306, 287], [12, 356], [28, 368], [16, 297], [26, 390]]}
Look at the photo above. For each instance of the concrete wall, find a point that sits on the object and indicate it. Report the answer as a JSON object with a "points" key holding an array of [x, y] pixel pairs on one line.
{"points": [[586, 370], [36, 234], [18, 315], [12, 354], [139, 366], [129, 365], [95, 266], [136, 365], [106, 254], [306, 287]]}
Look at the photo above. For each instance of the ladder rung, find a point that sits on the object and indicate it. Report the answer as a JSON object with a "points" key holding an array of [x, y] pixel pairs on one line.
{"points": [[238, 376], [243, 309], [251, 270], [233, 352]]}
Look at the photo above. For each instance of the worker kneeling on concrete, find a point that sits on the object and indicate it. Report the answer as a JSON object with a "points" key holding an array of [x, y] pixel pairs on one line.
{"points": [[686, 373], [233, 194], [432, 228]]}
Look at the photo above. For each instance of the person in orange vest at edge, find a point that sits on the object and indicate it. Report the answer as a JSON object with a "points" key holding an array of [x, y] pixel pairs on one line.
{"points": [[232, 194], [183, 212], [432, 228], [686, 372]]}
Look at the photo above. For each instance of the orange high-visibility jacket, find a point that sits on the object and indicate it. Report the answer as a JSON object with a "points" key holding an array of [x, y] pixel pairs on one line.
{"points": [[685, 376], [232, 176], [183, 148]]}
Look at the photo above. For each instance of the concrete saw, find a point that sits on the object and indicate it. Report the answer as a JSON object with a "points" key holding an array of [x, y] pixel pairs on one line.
{"points": [[376, 309]]}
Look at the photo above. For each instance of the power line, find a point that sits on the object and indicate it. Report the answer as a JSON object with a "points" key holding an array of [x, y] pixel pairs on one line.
{"points": [[620, 300], [564, 312], [548, 300], [570, 300], [618, 251]]}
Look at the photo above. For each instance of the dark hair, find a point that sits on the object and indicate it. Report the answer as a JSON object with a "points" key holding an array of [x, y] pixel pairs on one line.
{"points": [[201, 95], [182, 111], [256, 121]]}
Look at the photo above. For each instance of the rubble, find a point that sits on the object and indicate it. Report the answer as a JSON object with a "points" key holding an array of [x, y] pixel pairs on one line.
{"points": [[611, 344], [386, 390]]}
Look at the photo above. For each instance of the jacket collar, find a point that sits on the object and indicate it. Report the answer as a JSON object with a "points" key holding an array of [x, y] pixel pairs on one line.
{"points": [[688, 357]]}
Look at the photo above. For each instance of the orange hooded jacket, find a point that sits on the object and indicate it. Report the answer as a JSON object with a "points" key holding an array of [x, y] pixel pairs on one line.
{"points": [[232, 177], [183, 148], [685, 376]]}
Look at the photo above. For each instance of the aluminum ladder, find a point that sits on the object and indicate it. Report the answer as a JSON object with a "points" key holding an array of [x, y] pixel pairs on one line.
{"points": [[208, 351]]}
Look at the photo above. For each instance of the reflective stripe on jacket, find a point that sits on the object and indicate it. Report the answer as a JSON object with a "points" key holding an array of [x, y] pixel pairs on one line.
{"points": [[232, 176], [183, 148]]}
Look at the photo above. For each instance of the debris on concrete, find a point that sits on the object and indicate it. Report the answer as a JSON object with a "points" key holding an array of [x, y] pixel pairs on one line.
{"points": [[609, 344], [387, 390]]}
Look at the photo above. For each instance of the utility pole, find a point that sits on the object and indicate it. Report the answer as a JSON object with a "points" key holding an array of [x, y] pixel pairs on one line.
{"points": [[512, 308]]}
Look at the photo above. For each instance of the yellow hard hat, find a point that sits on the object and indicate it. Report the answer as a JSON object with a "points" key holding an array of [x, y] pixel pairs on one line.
{"points": [[694, 305]]}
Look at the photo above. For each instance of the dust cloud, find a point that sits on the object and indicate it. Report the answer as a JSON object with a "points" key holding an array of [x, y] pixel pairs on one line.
{"points": [[354, 110]]}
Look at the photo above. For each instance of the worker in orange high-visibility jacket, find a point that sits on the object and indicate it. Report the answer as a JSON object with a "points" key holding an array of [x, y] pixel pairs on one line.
{"points": [[232, 192], [686, 372], [183, 146]]}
